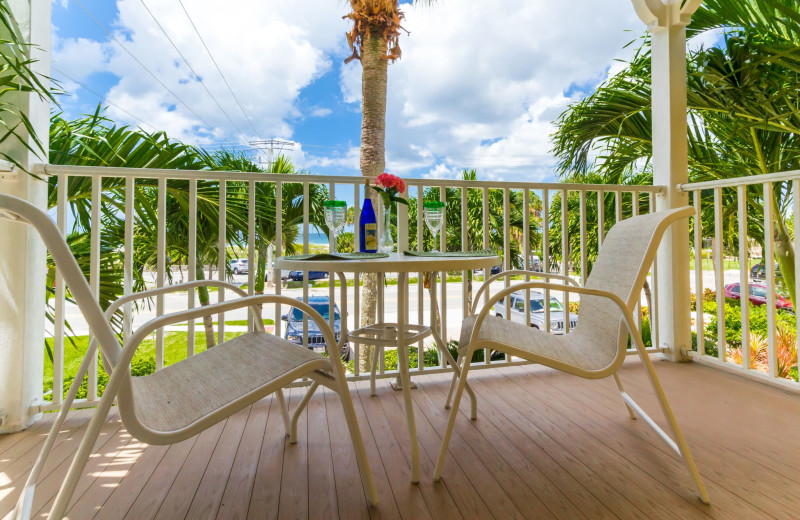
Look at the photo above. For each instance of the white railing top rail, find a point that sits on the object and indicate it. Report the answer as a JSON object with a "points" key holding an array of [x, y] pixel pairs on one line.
{"points": [[155, 173], [741, 181]]}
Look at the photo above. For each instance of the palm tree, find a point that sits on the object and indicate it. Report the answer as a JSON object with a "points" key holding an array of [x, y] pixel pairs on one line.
{"points": [[95, 141], [374, 40], [744, 114]]}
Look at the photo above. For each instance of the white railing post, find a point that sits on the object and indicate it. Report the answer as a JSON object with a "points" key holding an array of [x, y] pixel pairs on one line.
{"points": [[22, 253], [667, 20]]}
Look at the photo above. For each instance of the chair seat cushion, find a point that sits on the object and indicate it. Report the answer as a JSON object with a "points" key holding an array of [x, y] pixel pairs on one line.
{"points": [[181, 394], [536, 345]]}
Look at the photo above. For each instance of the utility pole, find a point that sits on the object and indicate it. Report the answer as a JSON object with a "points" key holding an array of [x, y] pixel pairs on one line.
{"points": [[271, 146]]}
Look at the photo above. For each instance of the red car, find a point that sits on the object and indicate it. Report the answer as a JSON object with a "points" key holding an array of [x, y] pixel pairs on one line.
{"points": [[758, 295]]}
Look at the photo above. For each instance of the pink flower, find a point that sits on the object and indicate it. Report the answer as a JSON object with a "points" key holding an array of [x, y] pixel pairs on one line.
{"points": [[389, 181]]}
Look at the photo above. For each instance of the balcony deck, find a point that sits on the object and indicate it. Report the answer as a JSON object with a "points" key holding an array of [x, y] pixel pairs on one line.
{"points": [[546, 445]]}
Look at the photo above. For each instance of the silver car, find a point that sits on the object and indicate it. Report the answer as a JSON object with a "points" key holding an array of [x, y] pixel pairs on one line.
{"points": [[239, 265], [537, 311]]}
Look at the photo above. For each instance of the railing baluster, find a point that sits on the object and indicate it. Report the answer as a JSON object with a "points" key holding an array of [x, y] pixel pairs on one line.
{"points": [[331, 275], [306, 273], [565, 256], [507, 265], [635, 213], [769, 269], [618, 206], [719, 268], [583, 237], [161, 258], [192, 275], [465, 275], [221, 254], [252, 268], [356, 276], [698, 274], [60, 297], [127, 262], [443, 285], [526, 239], [601, 217], [276, 273], [94, 271], [654, 289], [741, 193], [546, 253], [420, 247]]}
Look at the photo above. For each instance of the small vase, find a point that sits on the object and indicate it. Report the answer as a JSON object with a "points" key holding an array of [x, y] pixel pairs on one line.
{"points": [[386, 243]]}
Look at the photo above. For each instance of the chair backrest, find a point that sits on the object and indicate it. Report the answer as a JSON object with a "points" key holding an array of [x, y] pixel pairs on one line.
{"points": [[14, 208], [624, 259]]}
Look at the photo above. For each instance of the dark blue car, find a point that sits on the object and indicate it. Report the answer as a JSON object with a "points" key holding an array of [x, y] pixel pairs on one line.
{"points": [[297, 276], [316, 342]]}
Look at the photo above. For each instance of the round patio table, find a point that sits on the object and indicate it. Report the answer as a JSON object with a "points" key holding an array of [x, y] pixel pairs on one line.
{"points": [[402, 334]]}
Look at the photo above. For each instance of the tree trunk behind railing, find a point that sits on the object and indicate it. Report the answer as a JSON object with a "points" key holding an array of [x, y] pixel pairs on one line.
{"points": [[373, 159], [202, 295]]}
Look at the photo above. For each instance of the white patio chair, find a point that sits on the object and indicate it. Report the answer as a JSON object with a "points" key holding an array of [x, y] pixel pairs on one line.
{"points": [[183, 399], [596, 347]]}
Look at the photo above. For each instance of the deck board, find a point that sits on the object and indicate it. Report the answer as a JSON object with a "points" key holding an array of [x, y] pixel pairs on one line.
{"points": [[545, 445]]}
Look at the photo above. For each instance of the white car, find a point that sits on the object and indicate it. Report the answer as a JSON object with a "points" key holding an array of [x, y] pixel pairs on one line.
{"points": [[239, 265], [537, 311]]}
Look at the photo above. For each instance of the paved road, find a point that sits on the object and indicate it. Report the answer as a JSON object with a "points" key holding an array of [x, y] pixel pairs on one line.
{"points": [[455, 297]]}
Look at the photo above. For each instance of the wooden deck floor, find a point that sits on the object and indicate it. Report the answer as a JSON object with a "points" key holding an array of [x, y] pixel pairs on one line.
{"points": [[546, 445]]}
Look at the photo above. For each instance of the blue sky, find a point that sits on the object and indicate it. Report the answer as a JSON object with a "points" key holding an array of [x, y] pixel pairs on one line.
{"points": [[478, 85]]}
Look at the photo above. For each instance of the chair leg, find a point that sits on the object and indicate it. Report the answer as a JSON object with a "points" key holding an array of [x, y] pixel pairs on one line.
{"points": [[300, 407], [376, 354], [287, 424], [358, 442], [456, 372], [680, 442], [622, 392], [462, 383], [67, 489]]}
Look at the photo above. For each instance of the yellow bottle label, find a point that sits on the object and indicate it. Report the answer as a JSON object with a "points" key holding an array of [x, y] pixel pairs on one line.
{"points": [[371, 236]]}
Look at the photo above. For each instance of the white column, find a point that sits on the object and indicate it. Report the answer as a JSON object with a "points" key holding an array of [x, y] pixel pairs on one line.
{"points": [[22, 254], [667, 22]]}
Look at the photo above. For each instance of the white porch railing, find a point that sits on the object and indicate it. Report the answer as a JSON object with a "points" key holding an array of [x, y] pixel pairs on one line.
{"points": [[625, 201], [737, 201]]}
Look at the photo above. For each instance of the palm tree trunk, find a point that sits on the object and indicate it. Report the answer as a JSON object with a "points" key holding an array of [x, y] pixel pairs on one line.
{"points": [[202, 295], [373, 158]]}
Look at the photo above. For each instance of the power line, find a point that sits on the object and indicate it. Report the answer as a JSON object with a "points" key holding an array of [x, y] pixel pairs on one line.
{"points": [[146, 69], [103, 98], [197, 76], [255, 132]]}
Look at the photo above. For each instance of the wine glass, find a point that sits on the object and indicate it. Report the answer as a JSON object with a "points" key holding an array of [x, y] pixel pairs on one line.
{"points": [[335, 215], [434, 217]]}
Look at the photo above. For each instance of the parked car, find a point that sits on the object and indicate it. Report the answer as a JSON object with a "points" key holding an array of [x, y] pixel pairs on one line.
{"points": [[239, 265], [537, 311], [316, 342], [495, 269], [297, 276], [758, 273], [758, 295]]}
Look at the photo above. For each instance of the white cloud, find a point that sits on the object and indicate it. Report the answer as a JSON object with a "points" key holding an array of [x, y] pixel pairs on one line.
{"points": [[480, 82], [478, 85], [321, 112], [268, 51]]}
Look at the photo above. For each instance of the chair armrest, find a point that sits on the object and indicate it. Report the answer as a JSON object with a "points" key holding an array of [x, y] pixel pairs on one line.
{"points": [[512, 272], [626, 311], [249, 301], [119, 302]]}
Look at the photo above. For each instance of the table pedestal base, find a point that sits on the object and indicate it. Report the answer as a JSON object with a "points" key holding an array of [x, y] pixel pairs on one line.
{"points": [[397, 384]]}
